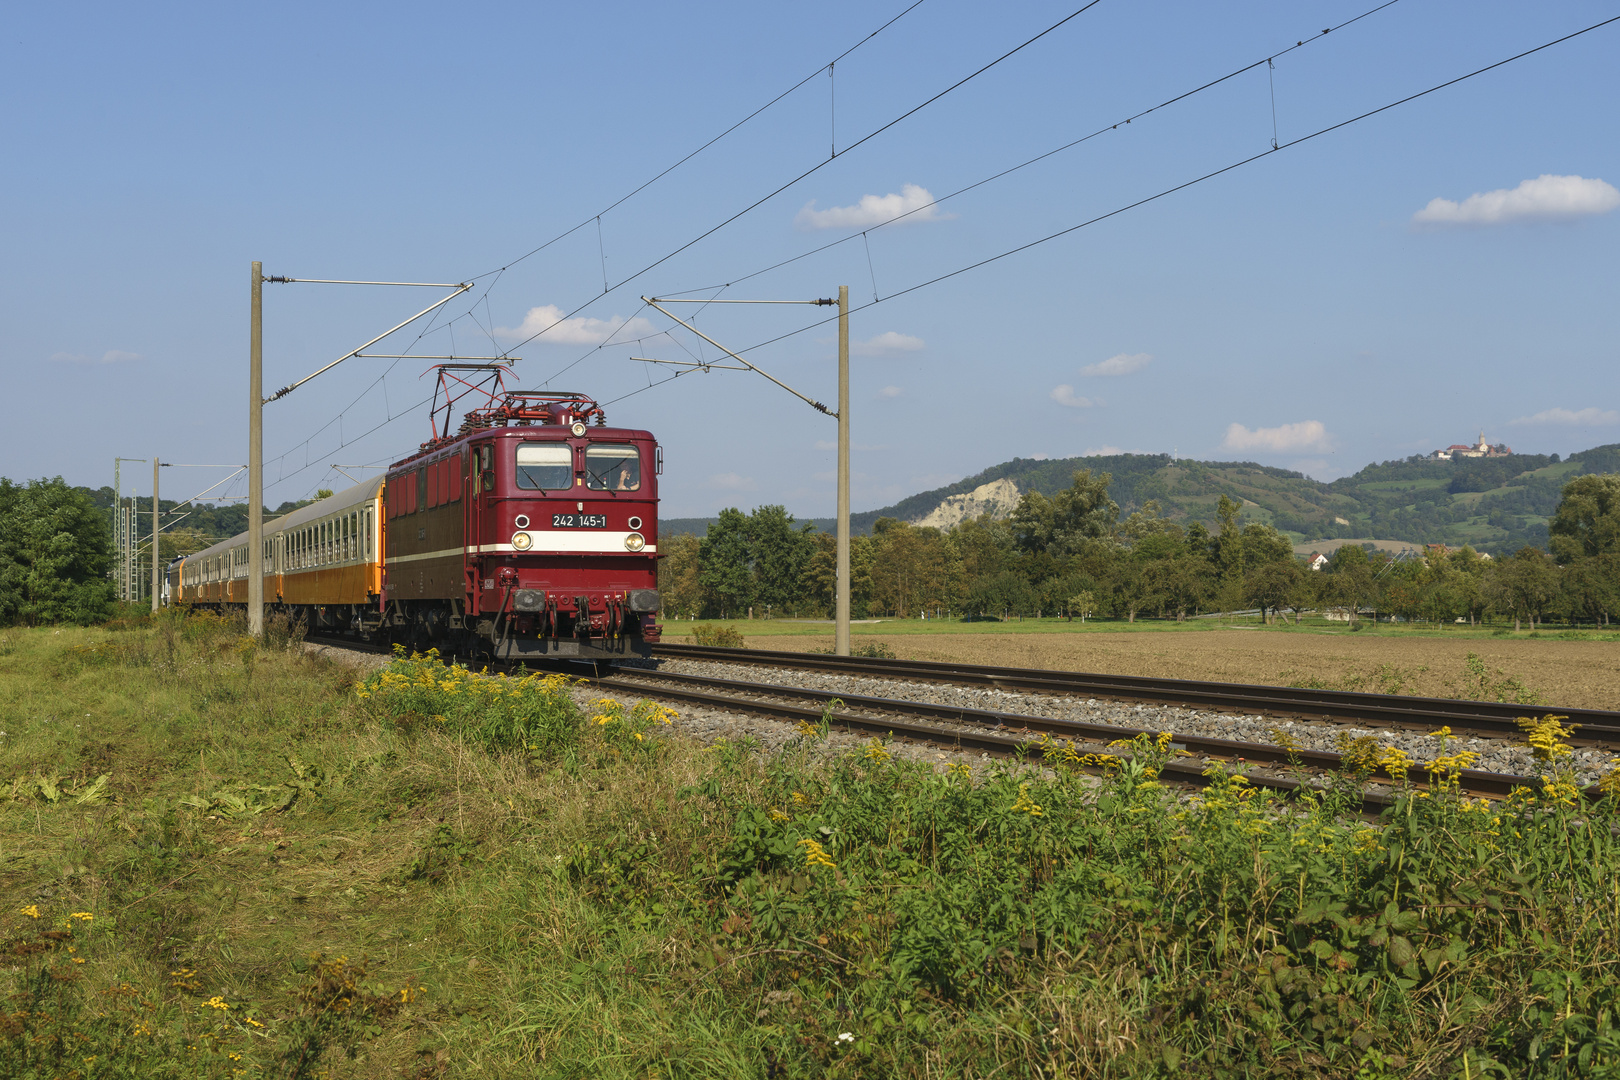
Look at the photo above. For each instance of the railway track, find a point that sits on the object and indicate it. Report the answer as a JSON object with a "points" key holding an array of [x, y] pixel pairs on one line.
{"points": [[1006, 734], [1598, 728], [1016, 735]]}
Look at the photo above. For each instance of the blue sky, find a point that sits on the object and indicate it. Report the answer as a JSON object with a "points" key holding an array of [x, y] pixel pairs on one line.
{"points": [[1316, 309]]}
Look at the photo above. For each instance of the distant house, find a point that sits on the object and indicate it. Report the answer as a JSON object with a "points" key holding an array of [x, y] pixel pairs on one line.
{"points": [[1478, 450], [1315, 561]]}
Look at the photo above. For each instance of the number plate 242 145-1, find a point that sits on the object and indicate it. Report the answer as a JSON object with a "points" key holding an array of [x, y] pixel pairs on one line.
{"points": [[579, 521]]}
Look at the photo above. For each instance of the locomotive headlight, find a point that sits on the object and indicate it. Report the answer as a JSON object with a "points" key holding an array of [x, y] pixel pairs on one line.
{"points": [[522, 541], [578, 429], [635, 542]]}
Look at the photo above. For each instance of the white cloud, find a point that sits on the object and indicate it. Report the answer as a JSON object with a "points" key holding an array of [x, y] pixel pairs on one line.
{"points": [[111, 356], [1119, 364], [886, 344], [913, 201], [547, 320], [1588, 417], [1546, 198], [890, 391], [1305, 435], [1101, 451], [732, 482], [1065, 395]]}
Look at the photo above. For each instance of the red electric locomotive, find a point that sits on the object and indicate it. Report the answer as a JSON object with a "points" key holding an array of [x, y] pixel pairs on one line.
{"points": [[530, 533]]}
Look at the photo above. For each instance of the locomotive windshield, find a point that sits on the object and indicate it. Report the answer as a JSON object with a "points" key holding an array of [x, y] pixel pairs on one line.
{"points": [[612, 467], [546, 466]]}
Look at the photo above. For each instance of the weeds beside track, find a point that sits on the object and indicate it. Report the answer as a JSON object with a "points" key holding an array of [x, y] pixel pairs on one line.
{"points": [[285, 878]]}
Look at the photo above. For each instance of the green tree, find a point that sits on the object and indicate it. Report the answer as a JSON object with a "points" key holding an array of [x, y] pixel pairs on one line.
{"points": [[1587, 521], [1002, 595], [1469, 583], [1274, 585], [1228, 554], [1179, 585], [680, 590], [54, 553], [820, 578], [908, 567], [1589, 588], [1349, 581], [780, 554], [1128, 589], [1061, 525], [725, 562], [1523, 586]]}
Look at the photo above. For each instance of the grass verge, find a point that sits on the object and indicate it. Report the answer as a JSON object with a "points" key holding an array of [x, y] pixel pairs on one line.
{"points": [[218, 859]]}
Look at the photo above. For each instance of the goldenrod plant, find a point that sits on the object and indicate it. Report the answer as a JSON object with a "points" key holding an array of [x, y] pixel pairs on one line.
{"points": [[430, 871]]}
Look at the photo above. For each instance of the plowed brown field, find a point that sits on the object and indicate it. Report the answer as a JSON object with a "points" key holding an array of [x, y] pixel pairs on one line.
{"points": [[1580, 674]]}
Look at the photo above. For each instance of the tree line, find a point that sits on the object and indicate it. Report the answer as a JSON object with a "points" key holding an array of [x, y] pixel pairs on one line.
{"points": [[1073, 555], [56, 546]]}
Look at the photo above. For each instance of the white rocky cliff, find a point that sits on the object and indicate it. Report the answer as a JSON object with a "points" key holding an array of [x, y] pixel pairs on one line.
{"points": [[998, 498]]}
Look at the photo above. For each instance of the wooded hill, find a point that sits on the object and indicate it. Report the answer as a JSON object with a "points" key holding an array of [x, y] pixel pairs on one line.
{"points": [[1498, 505]]}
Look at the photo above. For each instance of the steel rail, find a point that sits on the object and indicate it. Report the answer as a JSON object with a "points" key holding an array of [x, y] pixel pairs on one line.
{"points": [[684, 688], [953, 737], [1595, 727], [1473, 781]]}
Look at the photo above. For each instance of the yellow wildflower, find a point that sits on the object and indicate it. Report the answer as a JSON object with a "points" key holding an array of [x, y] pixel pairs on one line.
{"points": [[83, 915], [1560, 792], [815, 855], [32, 911], [778, 816], [1396, 762], [1025, 805], [1545, 737], [1609, 784], [875, 751]]}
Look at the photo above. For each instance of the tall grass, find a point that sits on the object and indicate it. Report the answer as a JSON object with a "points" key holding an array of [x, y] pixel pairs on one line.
{"points": [[292, 869]]}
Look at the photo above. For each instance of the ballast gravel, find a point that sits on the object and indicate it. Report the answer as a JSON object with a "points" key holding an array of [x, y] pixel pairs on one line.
{"points": [[1495, 755], [709, 725]]}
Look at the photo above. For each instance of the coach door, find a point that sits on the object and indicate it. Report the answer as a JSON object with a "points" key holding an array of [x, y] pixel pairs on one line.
{"points": [[478, 465]]}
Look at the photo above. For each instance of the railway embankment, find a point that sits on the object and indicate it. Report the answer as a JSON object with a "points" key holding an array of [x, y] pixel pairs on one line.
{"points": [[221, 855]]}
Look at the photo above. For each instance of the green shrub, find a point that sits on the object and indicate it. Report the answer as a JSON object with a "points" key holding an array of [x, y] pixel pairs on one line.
{"points": [[725, 637], [876, 650]]}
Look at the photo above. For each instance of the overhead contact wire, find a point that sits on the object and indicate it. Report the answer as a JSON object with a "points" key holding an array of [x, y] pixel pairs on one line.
{"points": [[817, 167], [1197, 180], [1037, 159], [646, 184]]}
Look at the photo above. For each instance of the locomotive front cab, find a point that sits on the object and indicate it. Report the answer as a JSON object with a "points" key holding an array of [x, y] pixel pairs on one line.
{"points": [[565, 530]]}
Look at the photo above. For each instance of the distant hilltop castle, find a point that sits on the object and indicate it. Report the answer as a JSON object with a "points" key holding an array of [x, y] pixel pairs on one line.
{"points": [[1479, 449]]}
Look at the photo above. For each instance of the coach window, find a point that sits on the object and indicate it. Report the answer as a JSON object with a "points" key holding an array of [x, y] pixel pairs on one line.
{"points": [[545, 466], [612, 467]]}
